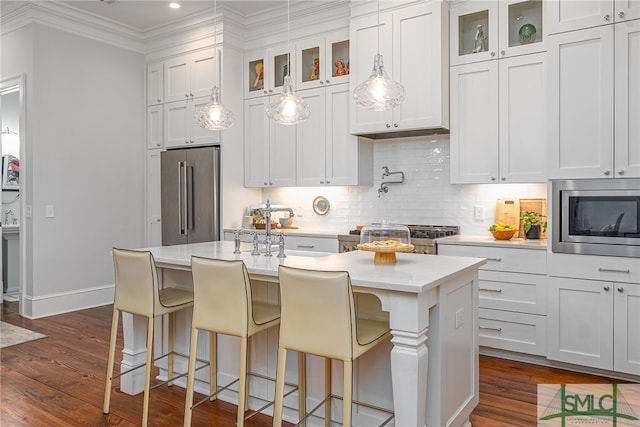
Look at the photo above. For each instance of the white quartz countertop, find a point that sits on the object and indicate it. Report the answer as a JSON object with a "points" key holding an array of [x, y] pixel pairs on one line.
{"points": [[490, 241], [413, 273]]}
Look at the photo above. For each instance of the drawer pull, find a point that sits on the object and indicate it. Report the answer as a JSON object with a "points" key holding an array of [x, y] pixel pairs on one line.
{"points": [[306, 246], [490, 290], [613, 270], [489, 328], [494, 259]]}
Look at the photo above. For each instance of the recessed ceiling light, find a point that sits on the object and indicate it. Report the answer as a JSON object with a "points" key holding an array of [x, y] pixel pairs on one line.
{"points": [[174, 5]]}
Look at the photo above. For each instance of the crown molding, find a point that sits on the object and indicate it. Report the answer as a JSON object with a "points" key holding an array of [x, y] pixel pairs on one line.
{"points": [[306, 19], [61, 17]]}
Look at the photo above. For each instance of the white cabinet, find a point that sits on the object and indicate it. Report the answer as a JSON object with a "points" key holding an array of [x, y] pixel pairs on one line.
{"points": [[326, 153], [269, 148], [155, 83], [264, 70], [180, 126], [482, 31], [154, 127], [153, 208], [594, 312], [413, 43], [322, 60], [593, 130], [311, 243], [498, 121], [512, 289], [191, 76], [570, 15], [627, 98]]}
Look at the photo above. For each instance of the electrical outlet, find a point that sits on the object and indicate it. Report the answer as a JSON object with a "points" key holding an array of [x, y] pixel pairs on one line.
{"points": [[299, 212], [48, 211], [478, 213]]}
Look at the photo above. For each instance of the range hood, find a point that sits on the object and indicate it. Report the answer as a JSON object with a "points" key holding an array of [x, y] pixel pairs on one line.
{"points": [[405, 133]]}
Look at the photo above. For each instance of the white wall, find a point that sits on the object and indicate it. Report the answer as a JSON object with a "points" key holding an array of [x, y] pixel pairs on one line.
{"points": [[426, 197], [85, 156]]}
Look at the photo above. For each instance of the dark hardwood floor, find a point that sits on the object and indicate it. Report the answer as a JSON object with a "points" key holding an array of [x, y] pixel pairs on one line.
{"points": [[59, 381]]}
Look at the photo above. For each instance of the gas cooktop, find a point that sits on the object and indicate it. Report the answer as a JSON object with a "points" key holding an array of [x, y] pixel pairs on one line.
{"points": [[427, 231]]}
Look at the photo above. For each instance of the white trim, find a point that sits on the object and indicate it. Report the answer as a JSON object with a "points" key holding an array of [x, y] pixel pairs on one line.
{"points": [[64, 302]]}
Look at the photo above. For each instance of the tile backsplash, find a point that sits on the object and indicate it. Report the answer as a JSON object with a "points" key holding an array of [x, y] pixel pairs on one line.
{"points": [[425, 197]]}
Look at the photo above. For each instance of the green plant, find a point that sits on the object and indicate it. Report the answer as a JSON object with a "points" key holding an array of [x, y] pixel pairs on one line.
{"points": [[530, 218]]}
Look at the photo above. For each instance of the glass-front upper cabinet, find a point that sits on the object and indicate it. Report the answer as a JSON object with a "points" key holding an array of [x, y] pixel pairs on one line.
{"points": [[323, 60], [482, 31], [265, 70]]}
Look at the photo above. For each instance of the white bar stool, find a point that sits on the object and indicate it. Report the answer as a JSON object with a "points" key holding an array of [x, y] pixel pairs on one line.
{"points": [[224, 305], [137, 292], [318, 316]]}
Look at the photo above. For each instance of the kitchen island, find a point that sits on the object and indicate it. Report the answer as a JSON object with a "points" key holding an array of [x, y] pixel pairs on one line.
{"points": [[429, 373]]}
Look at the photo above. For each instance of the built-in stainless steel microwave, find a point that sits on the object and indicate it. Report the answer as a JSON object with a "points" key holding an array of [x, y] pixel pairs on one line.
{"points": [[596, 216]]}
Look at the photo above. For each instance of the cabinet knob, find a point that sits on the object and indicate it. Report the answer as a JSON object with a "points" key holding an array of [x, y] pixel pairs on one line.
{"points": [[158, 100], [620, 289], [266, 183], [621, 172], [157, 145], [503, 178], [620, 14], [191, 95], [607, 173], [606, 288], [265, 91], [158, 220], [607, 17], [327, 81], [270, 183], [321, 182], [328, 182], [502, 52], [321, 82], [388, 125], [395, 125], [186, 141], [493, 54], [493, 178], [270, 91], [186, 95]]}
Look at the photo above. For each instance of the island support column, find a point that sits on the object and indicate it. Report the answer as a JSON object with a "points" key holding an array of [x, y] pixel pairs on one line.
{"points": [[409, 356]]}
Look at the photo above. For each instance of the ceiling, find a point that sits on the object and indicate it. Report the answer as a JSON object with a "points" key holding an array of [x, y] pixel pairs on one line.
{"points": [[143, 15]]}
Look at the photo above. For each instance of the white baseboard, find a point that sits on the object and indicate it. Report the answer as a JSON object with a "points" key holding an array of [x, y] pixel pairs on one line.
{"points": [[64, 302]]}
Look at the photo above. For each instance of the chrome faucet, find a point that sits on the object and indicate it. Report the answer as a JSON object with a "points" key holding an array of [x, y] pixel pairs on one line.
{"points": [[268, 210]]}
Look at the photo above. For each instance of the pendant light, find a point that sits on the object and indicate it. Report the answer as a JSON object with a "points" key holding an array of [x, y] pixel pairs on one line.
{"points": [[379, 92], [214, 115], [288, 109]]}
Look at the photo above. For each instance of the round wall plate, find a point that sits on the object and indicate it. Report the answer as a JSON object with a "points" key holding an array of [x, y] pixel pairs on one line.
{"points": [[321, 205]]}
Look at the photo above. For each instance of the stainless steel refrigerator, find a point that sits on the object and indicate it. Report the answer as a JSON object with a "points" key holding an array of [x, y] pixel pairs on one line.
{"points": [[190, 195]]}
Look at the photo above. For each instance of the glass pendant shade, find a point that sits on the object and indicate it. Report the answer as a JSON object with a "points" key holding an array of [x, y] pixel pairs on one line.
{"points": [[288, 109], [214, 115], [379, 92]]}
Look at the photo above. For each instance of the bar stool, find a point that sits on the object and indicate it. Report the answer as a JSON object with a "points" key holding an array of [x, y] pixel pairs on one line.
{"points": [[138, 292], [318, 316], [224, 305]]}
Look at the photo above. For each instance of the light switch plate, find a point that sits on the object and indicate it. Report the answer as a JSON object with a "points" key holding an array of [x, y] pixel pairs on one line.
{"points": [[478, 213], [48, 211]]}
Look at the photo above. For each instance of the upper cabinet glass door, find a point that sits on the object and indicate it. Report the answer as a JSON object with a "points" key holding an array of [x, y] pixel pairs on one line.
{"points": [[474, 32], [323, 61], [265, 70], [521, 28], [482, 31]]}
